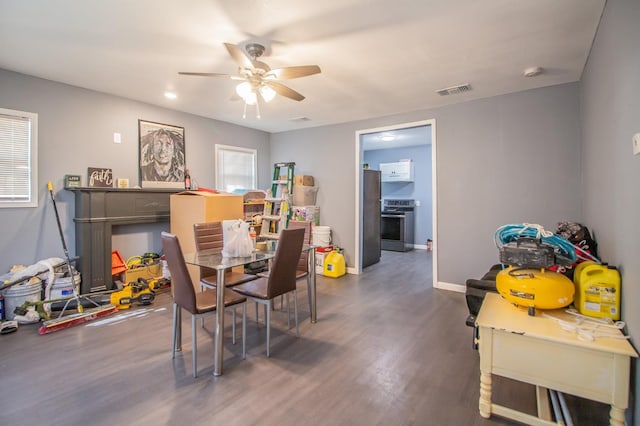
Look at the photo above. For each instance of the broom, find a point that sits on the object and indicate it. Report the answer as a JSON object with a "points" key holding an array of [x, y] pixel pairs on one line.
{"points": [[82, 315]]}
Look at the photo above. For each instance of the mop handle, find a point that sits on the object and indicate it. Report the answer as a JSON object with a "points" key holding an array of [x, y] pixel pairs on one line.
{"points": [[64, 244]]}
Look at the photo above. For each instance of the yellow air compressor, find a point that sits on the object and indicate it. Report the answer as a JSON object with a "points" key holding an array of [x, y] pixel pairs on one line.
{"points": [[597, 290], [334, 264], [535, 288]]}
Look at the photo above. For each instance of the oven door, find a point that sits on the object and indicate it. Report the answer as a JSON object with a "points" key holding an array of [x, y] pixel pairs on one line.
{"points": [[392, 231]]}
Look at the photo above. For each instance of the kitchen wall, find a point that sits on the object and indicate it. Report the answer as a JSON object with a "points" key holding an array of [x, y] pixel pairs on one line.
{"points": [[75, 131], [507, 159], [610, 116], [419, 189]]}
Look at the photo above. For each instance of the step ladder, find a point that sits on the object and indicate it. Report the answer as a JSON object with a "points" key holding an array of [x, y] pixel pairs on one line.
{"points": [[277, 204], [282, 178]]}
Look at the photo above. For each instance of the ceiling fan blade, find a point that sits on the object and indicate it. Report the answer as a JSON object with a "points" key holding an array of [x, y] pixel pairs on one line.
{"points": [[239, 57], [285, 91], [212, 74], [287, 73]]}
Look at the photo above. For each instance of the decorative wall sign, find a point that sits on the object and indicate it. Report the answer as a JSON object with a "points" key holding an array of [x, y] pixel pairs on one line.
{"points": [[99, 177], [72, 181], [162, 157]]}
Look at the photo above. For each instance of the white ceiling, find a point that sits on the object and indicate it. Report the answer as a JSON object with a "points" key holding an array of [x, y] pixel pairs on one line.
{"points": [[378, 57]]}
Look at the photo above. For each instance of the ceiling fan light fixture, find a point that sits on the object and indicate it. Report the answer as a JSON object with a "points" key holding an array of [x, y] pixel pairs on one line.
{"points": [[251, 98], [267, 93], [244, 89]]}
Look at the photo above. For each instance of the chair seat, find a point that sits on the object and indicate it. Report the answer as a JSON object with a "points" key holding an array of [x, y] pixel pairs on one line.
{"points": [[256, 288], [206, 301], [299, 274], [230, 279]]}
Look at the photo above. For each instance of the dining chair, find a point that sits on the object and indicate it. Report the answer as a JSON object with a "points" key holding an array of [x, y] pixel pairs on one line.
{"points": [[303, 264], [197, 304], [281, 279], [209, 236]]}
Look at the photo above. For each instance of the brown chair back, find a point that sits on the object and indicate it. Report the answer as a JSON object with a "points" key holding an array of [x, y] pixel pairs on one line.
{"points": [[282, 275], [208, 236], [183, 292], [303, 264]]}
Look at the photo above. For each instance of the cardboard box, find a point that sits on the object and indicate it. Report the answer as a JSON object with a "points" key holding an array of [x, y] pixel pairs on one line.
{"points": [[306, 214], [304, 195], [189, 207], [303, 180], [131, 275], [321, 253]]}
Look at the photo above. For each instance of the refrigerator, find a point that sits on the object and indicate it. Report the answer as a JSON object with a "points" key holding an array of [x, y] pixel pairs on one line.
{"points": [[371, 210]]}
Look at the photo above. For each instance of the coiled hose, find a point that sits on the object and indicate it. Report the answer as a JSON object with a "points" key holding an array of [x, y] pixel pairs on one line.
{"points": [[563, 248]]}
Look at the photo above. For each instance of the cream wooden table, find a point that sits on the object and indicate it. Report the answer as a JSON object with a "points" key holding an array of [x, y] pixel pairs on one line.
{"points": [[538, 351]]}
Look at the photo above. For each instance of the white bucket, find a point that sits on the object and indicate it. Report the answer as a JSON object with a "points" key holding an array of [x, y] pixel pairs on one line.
{"points": [[321, 236], [18, 294], [62, 287]]}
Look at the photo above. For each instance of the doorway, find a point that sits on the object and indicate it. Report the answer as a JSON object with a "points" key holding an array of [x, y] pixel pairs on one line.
{"points": [[364, 137]]}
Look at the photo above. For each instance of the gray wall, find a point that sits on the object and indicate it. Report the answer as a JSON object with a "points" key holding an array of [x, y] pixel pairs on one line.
{"points": [[508, 159], [610, 107], [419, 190], [76, 129]]}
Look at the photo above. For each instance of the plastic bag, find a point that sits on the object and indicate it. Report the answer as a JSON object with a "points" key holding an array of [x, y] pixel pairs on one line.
{"points": [[236, 239]]}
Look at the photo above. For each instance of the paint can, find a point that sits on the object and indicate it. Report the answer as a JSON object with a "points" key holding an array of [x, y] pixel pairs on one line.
{"points": [[19, 294], [63, 288]]}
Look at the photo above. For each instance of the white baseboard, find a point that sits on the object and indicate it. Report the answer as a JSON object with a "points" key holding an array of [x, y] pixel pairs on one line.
{"points": [[459, 288]]}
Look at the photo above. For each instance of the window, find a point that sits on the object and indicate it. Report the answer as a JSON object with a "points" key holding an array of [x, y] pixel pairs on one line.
{"points": [[235, 168], [18, 159]]}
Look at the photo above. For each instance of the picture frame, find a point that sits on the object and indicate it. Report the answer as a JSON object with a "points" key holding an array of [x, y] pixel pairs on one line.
{"points": [[161, 155]]}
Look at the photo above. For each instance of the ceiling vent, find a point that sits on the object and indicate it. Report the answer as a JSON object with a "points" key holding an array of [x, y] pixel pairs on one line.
{"points": [[454, 90], [300, 119]]}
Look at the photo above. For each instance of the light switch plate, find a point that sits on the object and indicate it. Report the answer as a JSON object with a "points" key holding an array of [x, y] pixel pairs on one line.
{"points": [[636, 144], [117, 138]]}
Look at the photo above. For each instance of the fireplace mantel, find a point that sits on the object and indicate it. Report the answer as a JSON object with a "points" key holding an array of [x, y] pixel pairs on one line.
{"points": [[97, 211]]}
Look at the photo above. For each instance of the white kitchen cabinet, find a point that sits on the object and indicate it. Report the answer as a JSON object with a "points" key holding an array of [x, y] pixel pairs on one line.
{"points": [[400, 171]]}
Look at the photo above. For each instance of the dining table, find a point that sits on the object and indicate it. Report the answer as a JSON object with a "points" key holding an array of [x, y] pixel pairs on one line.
{"points": [[216, 261]]}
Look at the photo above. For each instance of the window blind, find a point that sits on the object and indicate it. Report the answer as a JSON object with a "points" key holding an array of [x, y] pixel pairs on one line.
{"points": [[16, 189], [236, 168]]}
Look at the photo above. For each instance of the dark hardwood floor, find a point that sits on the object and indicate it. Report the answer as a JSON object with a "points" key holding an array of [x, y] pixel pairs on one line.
{"points": [[387, 349]]}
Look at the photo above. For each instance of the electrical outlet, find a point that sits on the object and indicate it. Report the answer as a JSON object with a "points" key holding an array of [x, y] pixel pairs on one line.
{"points": [[417, 203], [636, 144], [117, 138]]}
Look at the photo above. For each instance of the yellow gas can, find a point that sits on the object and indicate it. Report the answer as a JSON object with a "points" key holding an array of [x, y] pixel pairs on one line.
{"points": [[334, 265], [597, 290]]}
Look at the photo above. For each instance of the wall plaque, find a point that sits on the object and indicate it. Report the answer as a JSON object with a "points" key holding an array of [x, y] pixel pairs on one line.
{"points": [[72, 181], [99, 177]]}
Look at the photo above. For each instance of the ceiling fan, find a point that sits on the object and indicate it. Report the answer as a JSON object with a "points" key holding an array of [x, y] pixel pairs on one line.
{"points": [[259, 81]]}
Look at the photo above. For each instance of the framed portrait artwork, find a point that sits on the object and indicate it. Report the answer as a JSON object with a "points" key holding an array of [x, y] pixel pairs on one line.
{"points": [[162, 157]]}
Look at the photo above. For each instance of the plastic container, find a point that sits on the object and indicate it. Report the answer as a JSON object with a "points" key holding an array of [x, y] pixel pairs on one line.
{"points": [[321, 235], [597, 290], [63, 288], [334, 265], [18, 294], [117, 263]]}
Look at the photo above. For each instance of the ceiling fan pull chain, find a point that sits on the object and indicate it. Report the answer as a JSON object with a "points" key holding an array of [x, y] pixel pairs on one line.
{"points": [[244, 112], [257, 109]]}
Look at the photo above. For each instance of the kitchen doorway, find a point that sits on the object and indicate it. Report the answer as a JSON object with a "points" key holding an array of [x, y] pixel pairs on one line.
{"points": [[381, 139]]}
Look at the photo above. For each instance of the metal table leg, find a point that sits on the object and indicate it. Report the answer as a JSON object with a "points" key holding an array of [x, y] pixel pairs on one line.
{"points": [[311, 284], [219, 330]]}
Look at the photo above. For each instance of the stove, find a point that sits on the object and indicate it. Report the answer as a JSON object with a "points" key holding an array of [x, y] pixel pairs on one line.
{"points": [[397, 224]]}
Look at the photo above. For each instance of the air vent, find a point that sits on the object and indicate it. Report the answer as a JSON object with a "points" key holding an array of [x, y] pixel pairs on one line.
{"points": [[454, 90], [299, 119]]}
